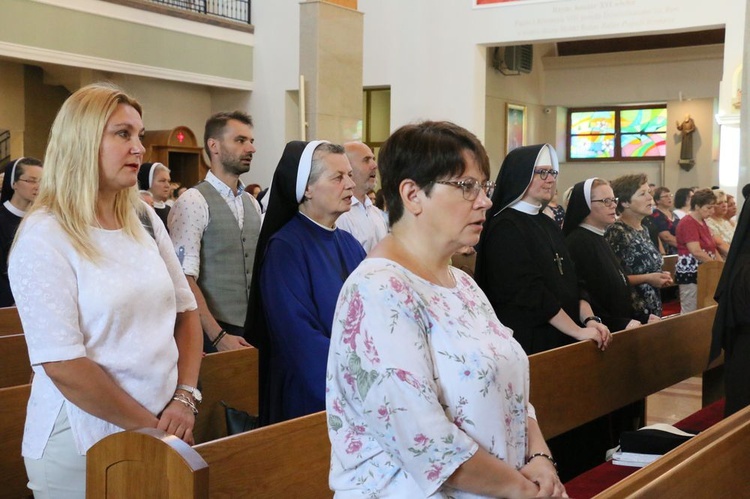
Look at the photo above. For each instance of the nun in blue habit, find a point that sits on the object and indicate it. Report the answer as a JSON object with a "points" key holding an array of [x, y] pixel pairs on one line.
{"points": [[301, 263]]}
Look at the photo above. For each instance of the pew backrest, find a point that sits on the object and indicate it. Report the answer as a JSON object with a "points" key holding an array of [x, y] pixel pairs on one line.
{"points": [[289, 459], [709, 274], [231, 377], [669, 262], [577, 383], [13, 401], [712, 464], [15, 368], [10, 321], [145, 463]]}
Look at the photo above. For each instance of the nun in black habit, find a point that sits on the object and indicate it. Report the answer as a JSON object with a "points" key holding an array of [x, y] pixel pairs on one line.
{"points": [[146, 178], [523, 264], [528, 275], [591, 210], [731, 331]]}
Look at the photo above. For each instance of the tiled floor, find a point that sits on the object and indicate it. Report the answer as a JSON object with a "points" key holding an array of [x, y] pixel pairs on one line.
{"points": [[674, 403]]}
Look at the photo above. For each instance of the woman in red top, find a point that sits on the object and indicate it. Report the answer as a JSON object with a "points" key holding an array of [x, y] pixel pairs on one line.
{"points": [[695, 245]]}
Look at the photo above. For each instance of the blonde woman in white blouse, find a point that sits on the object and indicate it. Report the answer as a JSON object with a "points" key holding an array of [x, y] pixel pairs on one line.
{"points": [[108, 351]]}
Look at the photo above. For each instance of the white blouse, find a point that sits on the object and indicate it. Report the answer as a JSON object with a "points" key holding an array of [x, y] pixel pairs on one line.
{"points": [[119, 312], [419, 377]]}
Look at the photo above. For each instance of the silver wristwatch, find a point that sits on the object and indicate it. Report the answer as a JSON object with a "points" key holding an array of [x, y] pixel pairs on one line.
{"points": [[192, 391]]}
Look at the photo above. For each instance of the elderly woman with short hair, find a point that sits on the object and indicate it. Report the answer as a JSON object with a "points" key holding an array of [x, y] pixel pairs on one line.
{"points": [[640, 259], [721, 228], [301, 262]]}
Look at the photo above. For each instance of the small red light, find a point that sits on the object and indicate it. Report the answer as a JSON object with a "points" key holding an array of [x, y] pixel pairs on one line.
{"points": [[180, 137]]}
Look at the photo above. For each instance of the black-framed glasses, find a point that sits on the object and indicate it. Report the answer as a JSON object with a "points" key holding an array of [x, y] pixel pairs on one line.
{"points": [[30, 181], [543, 174], [471, 187], [608, 202]]}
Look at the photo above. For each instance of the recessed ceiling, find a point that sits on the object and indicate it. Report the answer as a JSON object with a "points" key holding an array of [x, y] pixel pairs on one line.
{"points": [[633, 43]]}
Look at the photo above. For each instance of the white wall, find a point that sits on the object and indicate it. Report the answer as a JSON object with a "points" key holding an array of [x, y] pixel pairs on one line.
{"points": [[276, 71], [430, 51]]}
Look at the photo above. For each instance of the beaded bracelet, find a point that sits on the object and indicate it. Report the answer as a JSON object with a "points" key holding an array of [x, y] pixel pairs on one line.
{"points": [[218, 338], [186, 402], [542, 454]]}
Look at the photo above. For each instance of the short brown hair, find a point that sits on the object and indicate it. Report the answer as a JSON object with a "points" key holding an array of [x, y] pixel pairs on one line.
{"points": [[624, 187], [701, 198], [216, 123], [425, 152]]}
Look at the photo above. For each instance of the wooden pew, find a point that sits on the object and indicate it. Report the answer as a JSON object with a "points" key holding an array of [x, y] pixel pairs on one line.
{"points": [[289, 459], [668, 264], [231, 377], [15, 368], [712, 464], [575, 384], [570, 386], [709, 274], [13, 402], [10, 322]]}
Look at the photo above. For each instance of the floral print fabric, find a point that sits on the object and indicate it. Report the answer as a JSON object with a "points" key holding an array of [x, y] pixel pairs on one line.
{"points": [[419, 376], [637, 255]]}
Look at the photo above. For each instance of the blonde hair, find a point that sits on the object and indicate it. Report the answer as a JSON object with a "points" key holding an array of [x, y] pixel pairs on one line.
{"points": [[70, 184]]}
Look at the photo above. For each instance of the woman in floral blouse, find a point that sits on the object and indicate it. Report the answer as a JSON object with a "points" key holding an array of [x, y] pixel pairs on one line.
{"points": [[640, 259], [427, 392]]}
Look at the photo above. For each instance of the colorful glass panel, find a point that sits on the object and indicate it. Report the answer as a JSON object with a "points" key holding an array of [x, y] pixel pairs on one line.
{"points": [[592, 146], [643, 120], [643, 145], [592, 122]]}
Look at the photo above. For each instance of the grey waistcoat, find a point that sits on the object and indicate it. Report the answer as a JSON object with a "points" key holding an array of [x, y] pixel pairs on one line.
{"points": [[227, 255]]}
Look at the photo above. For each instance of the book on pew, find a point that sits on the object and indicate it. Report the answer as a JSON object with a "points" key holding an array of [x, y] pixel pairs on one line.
{"points": [[633, 459], [641, 447]]}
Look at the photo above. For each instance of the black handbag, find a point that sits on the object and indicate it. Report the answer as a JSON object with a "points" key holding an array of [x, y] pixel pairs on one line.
{"points": [[239, 421]]}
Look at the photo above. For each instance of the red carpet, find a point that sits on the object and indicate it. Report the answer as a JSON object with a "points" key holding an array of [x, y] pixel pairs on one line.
{"points": [[670, 308], [605, 475]]}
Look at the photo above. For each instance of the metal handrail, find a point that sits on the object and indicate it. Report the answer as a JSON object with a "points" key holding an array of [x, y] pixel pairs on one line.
{"points": [[236, 10]]}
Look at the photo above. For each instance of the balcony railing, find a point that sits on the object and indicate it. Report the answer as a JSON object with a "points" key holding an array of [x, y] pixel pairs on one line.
{"points": [[235, 10]]}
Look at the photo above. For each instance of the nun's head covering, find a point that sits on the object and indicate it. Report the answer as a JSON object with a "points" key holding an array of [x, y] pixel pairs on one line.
{"points": [[517, 172], [579, 205], [146, 175], [13, 171], [725, 323]]}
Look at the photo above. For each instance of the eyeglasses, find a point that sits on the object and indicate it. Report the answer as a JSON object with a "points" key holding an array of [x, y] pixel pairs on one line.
{"points": [[665, 195], [543, 174], [471, 187], [608, 202], [31, 181]]}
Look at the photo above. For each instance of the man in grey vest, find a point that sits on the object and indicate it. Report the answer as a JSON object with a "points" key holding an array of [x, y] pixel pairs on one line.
{"points": [[214, 228]]}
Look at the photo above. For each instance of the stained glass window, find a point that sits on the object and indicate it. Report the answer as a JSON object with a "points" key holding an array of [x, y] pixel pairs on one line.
{"points": [[617, 133]]}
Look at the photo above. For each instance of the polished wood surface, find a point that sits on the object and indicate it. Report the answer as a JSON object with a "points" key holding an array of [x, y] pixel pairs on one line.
{"points": [[577, 383], [15, 368], [145, 463], [711, 464], [231, 377], [13, 401], [709, 274], [10, 322], [289, 460]]}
